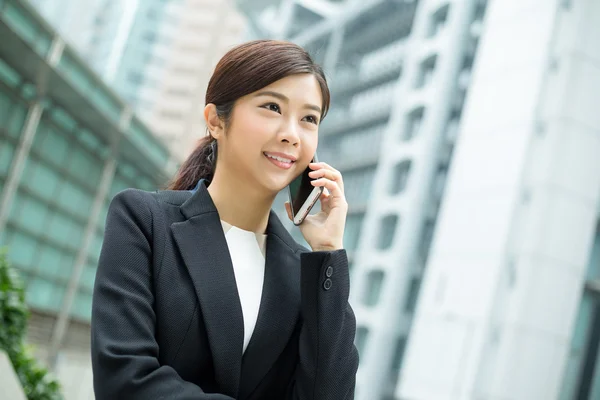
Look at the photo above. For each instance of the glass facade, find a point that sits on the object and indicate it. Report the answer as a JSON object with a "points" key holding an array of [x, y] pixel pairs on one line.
{"points": [[83, 129], [139, 59], [582, 372]]}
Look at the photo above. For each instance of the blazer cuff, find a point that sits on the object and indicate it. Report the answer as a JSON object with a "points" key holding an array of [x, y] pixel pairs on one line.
{"points": [[327, 269]]}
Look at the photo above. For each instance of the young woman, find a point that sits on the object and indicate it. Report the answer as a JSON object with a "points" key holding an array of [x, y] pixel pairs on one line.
{"points": [[200, 292]]}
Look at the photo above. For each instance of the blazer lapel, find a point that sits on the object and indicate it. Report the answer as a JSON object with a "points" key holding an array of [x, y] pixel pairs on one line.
{"points": [[203, 247], [279, 309]]}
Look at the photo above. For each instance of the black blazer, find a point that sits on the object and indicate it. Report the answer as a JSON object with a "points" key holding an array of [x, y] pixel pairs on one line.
{"points": [[167, 321]]}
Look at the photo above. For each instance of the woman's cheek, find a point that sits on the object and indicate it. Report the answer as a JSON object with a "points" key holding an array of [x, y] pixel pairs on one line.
{"points": [[261, 126], [310, 142]]}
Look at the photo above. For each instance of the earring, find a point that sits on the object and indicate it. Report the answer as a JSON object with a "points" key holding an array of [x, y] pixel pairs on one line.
{"points": [[212, 152]]}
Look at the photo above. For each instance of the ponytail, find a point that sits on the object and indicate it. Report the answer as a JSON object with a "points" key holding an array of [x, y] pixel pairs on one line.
{"points": [[200, 164]]}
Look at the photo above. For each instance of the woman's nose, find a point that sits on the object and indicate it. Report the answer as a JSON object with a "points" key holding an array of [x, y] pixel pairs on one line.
{"points": [[289, 133]]}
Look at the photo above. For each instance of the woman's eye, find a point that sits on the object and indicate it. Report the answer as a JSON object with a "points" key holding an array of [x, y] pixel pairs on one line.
{"points": [[272, 107], [312, 119]]}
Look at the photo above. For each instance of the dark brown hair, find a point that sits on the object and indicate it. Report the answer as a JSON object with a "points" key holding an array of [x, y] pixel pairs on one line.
{"points": [[243, 70]]}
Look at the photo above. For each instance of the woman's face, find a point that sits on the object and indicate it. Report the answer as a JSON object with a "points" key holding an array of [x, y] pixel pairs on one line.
{"points": [[273, 133]]}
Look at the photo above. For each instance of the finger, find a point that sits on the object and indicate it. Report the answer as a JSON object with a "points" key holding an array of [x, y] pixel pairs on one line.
{"points": [[325, 194], [320, 165], [331, 174], [288, 209], [336, 175], [324, 199], [334, 189]]}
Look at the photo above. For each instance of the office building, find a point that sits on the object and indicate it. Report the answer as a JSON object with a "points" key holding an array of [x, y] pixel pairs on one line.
{"points": [[467, 136], [508, 306], [123, 41], [158, 55], [204, 32], [68, 144]]}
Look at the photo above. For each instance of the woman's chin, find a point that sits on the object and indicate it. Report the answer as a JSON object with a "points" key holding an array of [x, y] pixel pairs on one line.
{"points": [[275, 184]]}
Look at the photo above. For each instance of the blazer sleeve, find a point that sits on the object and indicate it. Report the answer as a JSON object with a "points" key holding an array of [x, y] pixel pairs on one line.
{"points": [[124, 350], [328, 358]]}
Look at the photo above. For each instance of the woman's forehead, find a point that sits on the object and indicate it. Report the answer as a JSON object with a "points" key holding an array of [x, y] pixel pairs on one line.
{"points": [[302, 88]]}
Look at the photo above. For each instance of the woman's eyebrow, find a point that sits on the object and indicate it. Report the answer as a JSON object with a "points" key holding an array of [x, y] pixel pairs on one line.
{"points": [[284, 98]]}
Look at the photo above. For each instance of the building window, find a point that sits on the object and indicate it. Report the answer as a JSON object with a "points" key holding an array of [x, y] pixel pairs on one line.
{"points": [[362, 335], [352, 231], [439, 181], [412, 295], [24, 248], [387, 231], [593, 270], [451, 130], [135, 78], [414, 121], [149, 36], [373, 289], [426, 238], [480, 7], [467, 62], [98, 20], [458, 101], [358, 185], [398, 354], [44, 293], [581, 380], [400, 177], [438, 20], [582, 377], [426, 71], [359, 146]]}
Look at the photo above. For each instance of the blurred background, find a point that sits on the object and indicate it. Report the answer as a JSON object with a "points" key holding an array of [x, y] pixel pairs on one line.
{"points": [[467, 132]]}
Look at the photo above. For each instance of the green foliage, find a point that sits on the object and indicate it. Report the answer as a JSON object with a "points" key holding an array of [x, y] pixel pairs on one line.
{"points": [[37, 382]]}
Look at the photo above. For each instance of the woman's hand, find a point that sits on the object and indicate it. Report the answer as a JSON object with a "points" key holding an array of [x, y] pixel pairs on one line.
{"points": [[324, 231]]}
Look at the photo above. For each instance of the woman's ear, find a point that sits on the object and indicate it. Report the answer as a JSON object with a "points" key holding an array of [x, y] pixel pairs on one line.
{"points": [[213, 122]]}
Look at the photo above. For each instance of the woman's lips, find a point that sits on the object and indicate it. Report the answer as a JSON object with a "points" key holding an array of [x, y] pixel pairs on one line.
{"points": [[280, 164]]}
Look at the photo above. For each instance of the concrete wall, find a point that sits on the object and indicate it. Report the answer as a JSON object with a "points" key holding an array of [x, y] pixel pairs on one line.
{"points": [[10, 387]]}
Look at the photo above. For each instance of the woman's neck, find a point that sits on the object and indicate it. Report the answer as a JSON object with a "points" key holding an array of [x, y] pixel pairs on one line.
{"points": [[239, 203]]}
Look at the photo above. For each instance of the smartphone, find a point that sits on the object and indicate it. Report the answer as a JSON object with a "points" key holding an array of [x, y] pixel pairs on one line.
{"points": [[303, 195]]}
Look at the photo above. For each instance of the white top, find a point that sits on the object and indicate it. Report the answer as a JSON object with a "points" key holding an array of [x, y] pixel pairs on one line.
{"points": [[247, 250]]}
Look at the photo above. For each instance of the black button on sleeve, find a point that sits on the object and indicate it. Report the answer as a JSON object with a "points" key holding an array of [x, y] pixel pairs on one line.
{"points": [[327, 284], [329, 271]]}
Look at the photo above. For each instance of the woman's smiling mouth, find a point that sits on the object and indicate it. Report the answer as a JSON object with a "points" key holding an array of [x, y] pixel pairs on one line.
{"points": [[281, 160]]}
